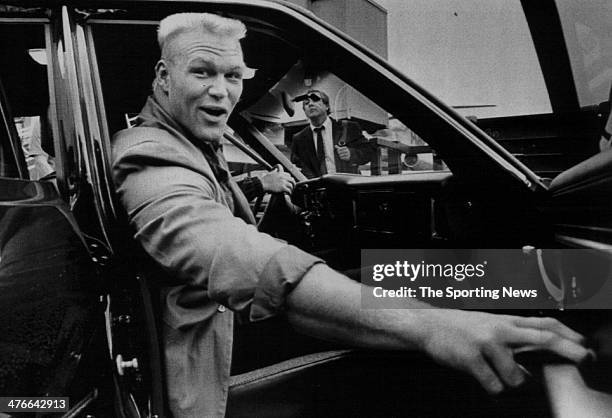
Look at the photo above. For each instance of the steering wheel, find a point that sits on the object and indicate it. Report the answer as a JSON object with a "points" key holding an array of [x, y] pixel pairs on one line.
{"points": [[257, 204], [279, 217]]}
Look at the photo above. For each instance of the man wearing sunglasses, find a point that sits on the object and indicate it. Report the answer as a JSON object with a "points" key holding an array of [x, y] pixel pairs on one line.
{"points": [[327, 146]]}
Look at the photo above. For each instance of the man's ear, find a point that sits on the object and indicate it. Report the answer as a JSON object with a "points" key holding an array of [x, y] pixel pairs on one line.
{"points": [[162, 75]]}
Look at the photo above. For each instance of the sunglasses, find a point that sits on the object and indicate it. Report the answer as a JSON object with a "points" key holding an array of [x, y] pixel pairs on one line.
{"points": [[310, 97]]}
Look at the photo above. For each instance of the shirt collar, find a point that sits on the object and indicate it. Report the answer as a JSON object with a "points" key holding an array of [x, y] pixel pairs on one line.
{"points": [[327, 125]]}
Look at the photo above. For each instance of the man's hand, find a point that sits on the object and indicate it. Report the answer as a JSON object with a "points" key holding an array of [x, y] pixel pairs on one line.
{"points": [[328, 305], [484, 344], [343, 152], [278, 182]]}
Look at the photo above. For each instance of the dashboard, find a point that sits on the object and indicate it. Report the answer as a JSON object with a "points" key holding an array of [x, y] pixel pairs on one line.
{"points": [[343, 213]]}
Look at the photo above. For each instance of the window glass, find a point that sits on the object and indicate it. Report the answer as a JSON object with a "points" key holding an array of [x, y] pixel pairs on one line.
{"points": [[476, 55], [127, 72], [126, 69], [24, 78], [240, 163], [376, 141], [378, 144]]}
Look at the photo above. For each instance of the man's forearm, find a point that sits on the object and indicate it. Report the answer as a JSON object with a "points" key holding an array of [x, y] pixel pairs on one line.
{"points": [[251, 187], [327, 305]]}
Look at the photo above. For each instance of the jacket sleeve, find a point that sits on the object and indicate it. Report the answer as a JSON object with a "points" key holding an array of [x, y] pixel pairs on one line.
{"points": [[178, 220], [251, 187]]}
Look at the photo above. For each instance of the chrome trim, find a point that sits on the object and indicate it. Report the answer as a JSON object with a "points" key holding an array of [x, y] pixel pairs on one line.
{"points": [[583, 243], [10, 20], [123, 22]]}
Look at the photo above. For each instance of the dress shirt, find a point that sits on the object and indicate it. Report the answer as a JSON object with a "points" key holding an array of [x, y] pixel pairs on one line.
{"points": [[328, 142]]}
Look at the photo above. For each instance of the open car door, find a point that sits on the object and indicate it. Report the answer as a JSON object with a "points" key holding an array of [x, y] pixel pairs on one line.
{"points": [[50, 306]]}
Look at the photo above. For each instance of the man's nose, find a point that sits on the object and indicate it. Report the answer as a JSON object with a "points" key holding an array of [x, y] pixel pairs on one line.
{"points": [[217, 86]]}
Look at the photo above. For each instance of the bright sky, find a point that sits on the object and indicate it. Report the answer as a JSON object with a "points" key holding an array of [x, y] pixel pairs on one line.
{"points": [[468, 52]]}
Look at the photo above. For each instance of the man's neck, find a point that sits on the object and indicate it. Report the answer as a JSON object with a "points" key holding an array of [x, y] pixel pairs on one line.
{"points": [[317, 122]]}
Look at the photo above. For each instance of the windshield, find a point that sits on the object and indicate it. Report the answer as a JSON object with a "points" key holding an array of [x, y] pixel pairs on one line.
{"points": [[532, 75], [475, 55]]}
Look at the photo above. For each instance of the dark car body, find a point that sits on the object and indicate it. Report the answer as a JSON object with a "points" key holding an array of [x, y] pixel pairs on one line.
{"points": [[79, 311]]}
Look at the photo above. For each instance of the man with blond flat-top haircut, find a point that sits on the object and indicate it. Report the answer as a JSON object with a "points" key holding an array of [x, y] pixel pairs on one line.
{"points": [[190, 217]]}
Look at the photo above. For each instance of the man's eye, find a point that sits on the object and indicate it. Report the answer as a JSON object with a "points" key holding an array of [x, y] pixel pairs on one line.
{"points": [[201, 72], [236, 76]]}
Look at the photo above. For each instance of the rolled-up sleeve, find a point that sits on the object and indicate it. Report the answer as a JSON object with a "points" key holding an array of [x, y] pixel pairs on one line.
{"points": [[177, 217]]}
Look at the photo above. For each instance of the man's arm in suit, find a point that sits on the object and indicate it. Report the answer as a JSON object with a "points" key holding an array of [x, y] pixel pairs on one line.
{"points": [[296, 150]]}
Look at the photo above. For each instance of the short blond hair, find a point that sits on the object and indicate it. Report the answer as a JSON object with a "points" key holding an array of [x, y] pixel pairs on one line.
{"points": [[178, 23]]}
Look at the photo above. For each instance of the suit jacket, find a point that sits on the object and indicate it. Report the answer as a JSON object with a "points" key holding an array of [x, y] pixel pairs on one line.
{"points": [[304, 154], [206, 251]]}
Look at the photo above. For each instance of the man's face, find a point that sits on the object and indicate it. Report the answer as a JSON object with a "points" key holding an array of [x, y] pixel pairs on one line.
{"points": [[314, 107], [203, 82]]}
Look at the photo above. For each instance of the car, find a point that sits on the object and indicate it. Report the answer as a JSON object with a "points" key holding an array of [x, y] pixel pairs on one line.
{"points": [[79, 313]]}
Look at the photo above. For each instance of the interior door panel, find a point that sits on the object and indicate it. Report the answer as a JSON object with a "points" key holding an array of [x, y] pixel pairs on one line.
{"points": [[49, 303], [579, 205]]}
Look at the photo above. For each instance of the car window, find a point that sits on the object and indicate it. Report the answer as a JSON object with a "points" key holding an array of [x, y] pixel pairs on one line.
{"points": [[405, 135], [476, 55], [240, 163], [359, 123], [127, 70], [503, 63], [126, 73], [26, 89]]}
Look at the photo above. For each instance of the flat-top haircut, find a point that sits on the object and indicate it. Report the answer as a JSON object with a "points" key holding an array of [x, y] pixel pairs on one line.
{"points": [[178, 23]]}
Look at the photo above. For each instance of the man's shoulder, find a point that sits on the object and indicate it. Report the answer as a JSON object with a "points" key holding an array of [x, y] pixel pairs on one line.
{"points": [[151, 144], [127, 138], [350, 124], [303, 133]]}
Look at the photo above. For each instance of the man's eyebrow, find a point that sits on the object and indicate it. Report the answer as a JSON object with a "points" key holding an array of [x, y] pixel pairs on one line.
{"points": [[241, 67], [200, 61], [204, 61]]}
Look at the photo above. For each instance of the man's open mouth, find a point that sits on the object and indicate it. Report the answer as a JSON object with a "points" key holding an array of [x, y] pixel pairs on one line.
{"points": [[214, 111]]}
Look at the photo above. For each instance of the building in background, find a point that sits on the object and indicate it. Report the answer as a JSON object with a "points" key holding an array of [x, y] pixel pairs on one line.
{"points": [[364, 20]]}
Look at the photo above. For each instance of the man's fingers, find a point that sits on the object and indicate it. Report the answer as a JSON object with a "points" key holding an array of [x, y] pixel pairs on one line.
{"points": [[529, 339], [289, 182], [550, 324], [343, 152], [481, 370], [502, 359], [288, 177]]}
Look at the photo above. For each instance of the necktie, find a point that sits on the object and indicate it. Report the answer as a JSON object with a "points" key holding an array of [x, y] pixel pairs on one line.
{"points": [[321, 150]]}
